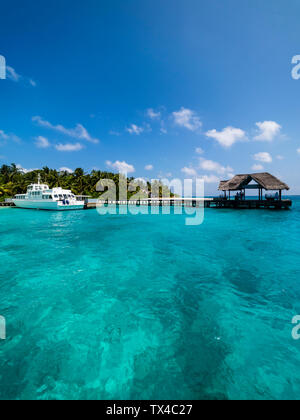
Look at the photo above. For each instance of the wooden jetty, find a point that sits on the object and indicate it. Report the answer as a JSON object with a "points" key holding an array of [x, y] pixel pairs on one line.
{"points": [[222, 203], [218, 203], [156, 202]]}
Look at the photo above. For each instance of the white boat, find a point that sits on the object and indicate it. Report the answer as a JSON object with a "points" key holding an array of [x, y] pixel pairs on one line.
{"points": [[41, 197]]}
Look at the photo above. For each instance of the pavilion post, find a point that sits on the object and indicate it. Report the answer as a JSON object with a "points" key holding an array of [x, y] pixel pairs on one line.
{"points": [[280, 195]]}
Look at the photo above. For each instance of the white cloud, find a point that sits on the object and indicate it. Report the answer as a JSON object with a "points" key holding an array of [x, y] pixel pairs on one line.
{"points": [[79, 132], [134, 129], [149, 167], [69, 147], [114, 133], [32, 82], [65, 169], [257, 167], [199, 151], [188, 119], [298, 151], [280, 157], [25, 171], [211, 179], [267, 130], [263, 157], [12, 74], [189, 171], [163, 175], [210, 165], [42, 142], [228, 136], [15, 77], [154, 115], [121, 167], [3, 135]]}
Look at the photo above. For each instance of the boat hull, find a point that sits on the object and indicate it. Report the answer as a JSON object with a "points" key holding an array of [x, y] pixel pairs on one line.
{"points": [[48, 205]]}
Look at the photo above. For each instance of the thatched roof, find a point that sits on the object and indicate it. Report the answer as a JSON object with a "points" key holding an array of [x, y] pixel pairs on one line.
{"points": [[222, 184], [264, 180]]}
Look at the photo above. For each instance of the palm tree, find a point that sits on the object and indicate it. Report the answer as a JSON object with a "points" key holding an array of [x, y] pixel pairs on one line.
{"points": [[79, 180], [13, 181], [13, 171], [4, 192]]}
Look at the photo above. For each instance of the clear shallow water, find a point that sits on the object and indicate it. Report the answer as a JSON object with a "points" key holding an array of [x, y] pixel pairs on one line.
{"points": [[144, 307]]}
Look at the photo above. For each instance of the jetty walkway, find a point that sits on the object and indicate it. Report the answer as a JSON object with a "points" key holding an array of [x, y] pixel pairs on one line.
{"points": [[218, 203]]}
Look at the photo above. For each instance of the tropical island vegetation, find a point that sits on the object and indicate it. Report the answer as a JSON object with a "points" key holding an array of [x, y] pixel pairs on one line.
{"points": [[15, 180]]}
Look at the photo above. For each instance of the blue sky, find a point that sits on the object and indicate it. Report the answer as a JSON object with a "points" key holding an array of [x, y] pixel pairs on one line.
{"points": [[162, 88]]}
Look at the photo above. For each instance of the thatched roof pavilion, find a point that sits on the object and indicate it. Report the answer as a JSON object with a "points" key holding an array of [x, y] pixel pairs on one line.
{"points": [[264, 181]]}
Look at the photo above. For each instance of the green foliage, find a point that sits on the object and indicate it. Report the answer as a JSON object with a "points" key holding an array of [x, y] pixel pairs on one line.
{"points": [[15, 181]]}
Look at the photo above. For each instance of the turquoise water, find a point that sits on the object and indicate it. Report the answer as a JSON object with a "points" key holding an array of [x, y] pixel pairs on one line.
{"points": [[144, 307]]}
